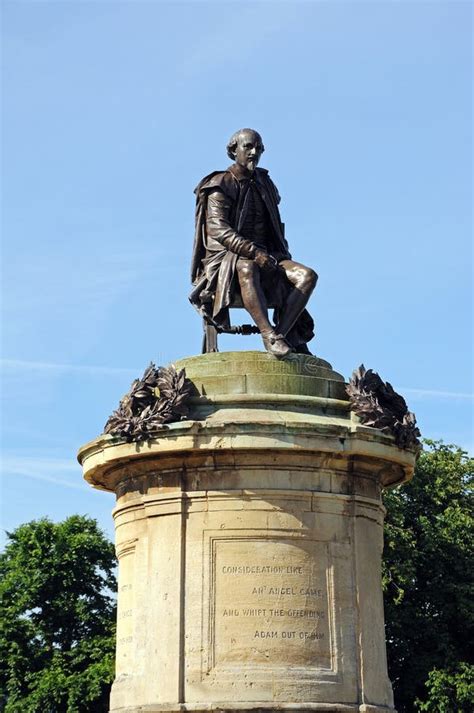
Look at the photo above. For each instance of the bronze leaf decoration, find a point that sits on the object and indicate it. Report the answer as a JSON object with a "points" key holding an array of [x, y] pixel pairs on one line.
{"points": [[159, 397], [377, 404]]}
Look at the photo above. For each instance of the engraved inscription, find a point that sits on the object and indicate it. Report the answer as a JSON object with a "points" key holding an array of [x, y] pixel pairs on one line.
{"points": [[125, 607], [270, 603]]}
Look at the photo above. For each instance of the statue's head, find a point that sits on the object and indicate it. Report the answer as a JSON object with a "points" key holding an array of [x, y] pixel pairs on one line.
{"points": [[245, 148]]}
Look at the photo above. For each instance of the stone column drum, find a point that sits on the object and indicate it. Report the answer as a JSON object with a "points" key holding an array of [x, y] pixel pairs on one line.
{"points": [[249, 540]]}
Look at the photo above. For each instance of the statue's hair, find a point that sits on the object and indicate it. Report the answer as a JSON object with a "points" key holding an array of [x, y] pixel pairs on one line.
{"points": [[232, 145]]}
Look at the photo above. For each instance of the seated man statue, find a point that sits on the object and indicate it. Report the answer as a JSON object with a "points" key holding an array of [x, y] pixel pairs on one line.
{"points": [[240, 248]]}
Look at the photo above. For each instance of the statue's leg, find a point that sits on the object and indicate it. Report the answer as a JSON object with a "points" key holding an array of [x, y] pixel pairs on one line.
{"points": [[304, 281], [252, 294], [255, 303]]}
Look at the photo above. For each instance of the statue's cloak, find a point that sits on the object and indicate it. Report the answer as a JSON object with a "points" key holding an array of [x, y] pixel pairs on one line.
{"points": [[213, 267]]}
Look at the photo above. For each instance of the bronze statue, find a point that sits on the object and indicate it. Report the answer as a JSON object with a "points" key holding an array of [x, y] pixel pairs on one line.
{"points": [[241, 257]]}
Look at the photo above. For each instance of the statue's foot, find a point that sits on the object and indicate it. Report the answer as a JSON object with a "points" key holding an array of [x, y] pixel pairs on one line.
{"points": [[276, 344]]}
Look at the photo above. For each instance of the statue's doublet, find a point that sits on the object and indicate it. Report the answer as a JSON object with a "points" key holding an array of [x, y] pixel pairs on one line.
{"points": [[215, 256], [236, 189]]}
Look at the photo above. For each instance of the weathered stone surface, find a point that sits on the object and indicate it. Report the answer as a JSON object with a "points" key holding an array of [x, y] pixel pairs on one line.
{"points": [[260, 373], [249, 540]]}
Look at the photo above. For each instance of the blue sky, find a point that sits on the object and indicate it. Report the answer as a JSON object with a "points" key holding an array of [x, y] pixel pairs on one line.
{"points": [[113, 111]]}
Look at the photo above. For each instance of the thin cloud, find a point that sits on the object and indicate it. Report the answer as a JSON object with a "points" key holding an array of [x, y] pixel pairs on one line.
{"points": [[435, 393], [44, 469], [20, 364]]}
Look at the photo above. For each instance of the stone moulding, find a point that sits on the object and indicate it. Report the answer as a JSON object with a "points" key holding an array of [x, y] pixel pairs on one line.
{"points": [[101, 456]]}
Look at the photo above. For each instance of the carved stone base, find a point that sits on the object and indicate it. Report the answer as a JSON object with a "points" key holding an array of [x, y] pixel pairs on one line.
{"points": [[249, 541]]}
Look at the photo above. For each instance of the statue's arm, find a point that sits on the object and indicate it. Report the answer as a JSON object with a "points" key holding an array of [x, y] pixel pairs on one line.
{"points": [[219, 228]]}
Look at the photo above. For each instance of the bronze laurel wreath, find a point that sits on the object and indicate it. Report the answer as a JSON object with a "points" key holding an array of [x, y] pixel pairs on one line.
{"points": [[159, 397], [377, 404]]}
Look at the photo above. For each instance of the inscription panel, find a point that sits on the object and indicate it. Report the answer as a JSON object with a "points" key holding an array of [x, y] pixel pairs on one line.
{"points": [[270, 604]]}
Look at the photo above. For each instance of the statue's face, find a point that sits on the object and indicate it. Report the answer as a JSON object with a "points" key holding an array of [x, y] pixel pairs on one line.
{"points": [[249, 149]]}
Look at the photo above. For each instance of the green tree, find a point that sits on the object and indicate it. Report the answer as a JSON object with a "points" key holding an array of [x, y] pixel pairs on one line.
{"points": [[428, 583], [57, 611]]}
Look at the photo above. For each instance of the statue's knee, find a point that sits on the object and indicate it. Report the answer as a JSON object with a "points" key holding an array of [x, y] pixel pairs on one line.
{"points": [[307, 279], [311, 278], [245, 269]]}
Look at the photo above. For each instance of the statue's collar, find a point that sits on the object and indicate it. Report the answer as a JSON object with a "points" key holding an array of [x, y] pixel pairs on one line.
{"points": [[241, 174]]}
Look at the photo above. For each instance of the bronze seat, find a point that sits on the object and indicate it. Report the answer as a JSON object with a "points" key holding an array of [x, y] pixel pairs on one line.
{"points": [[209, 342]]}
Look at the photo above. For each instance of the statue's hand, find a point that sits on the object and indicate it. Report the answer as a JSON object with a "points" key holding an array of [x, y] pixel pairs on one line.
{"points": [[265, 261]]}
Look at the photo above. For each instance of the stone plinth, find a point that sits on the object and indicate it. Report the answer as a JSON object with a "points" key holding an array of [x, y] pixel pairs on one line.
{"points": [[249, 540]]}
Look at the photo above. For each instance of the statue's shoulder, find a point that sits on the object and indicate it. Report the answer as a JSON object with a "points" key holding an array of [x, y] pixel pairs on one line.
{"points": [[217, 179], [263, 177]]}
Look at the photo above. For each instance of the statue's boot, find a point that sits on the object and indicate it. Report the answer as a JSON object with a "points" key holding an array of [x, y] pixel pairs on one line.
{"points": [[291, 311], [276, 344], [302, 348]]}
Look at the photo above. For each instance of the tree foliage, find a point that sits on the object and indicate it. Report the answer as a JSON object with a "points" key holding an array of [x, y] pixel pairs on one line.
{"points": [[428, 578], [57, 610]]}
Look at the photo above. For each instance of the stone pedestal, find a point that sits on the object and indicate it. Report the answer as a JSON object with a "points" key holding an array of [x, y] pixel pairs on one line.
{"points": [[249, 540]]}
